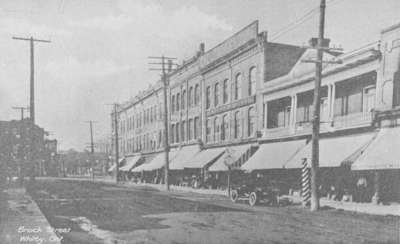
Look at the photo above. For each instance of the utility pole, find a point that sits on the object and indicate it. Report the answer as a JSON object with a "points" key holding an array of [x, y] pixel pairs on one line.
{"points": [[32, 96], [91, 145], [21, 110], [320, 44], [32, 79], [166, 124]]}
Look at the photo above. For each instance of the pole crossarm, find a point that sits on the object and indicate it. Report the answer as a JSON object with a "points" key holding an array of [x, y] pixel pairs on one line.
{"points": [[30, 39]]}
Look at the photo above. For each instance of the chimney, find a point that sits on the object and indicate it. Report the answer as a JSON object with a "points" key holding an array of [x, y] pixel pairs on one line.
{"points": [[202, 48]]}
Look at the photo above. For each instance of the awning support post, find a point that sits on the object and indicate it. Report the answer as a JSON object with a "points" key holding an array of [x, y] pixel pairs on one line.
{"points": [[376, 197]]}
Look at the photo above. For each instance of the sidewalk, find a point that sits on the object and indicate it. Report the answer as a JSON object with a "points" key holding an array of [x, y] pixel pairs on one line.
{"points": [[24, 222]]}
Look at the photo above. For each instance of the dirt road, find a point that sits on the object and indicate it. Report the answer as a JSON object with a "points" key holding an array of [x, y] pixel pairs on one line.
{"points": [[104, 213]]}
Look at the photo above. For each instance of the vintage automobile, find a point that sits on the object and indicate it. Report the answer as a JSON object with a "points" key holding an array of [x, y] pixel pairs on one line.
{"points": [[257, 191]]}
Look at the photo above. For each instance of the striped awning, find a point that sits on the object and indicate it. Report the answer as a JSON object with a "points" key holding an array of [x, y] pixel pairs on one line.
{"points": [[183, 156], [204, 157], [231, 155], [157, 163], [130, 163]]}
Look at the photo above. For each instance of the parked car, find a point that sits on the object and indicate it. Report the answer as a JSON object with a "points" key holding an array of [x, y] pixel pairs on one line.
{"points": [[258, 190]]}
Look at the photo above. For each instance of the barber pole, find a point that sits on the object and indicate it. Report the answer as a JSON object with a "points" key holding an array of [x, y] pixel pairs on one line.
{"points": [[305, 183]]}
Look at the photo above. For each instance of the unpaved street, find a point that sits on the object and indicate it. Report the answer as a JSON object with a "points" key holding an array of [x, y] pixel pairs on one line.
{"points": [[106, 213]]}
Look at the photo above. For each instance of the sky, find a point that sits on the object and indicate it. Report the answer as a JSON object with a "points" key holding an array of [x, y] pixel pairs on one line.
{"points": [[99, 48]]}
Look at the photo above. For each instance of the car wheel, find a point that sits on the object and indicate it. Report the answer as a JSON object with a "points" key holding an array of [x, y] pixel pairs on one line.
{"points": [[234, 195], [253, 199]]}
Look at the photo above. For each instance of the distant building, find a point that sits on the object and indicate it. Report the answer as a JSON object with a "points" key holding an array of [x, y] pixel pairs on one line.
{"points": [[19, 150]]}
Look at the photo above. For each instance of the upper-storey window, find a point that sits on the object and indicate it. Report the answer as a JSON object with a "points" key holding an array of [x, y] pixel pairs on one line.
{"points": [[178, 98], [190, 129], [196, 132], [279, 113], [208, 130], [208, 97], [216, 94], [177, 128], [224, 128], [173, 104], [251, 121], [355, 95], [225, 91], [183, 99], [196, 94], [252, 81], [216, 129], [172, 134], [236, 125], [237, 86], [396, 89], [190, 98], [183, 131]]}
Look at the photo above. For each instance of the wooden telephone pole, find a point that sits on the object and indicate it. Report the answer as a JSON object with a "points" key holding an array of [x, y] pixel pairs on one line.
{"points": [[320, 44], [166, 124], [91, 145], [32, 98], [116, 143]]}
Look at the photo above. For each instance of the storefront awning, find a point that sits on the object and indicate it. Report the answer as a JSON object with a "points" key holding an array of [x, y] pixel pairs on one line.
{"points": [[334, 151], [130, 163], [112, 168], [183, 156], [382, 153], [273, 155], [204, 157], [156, 163], [231, 155]]}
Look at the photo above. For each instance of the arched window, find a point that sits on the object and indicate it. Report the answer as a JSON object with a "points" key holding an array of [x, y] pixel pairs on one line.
{"points": [[251, 122], [196, 94], [172, 136], [178, 98], [183, 131], [216, 129], [208, 130], [196, 128], [190, 129], [190, 99], [224, 128], [237, 88], [252, 81], [216, 94], [208, 97], [177, 128], [173, 104], [183, 99], [225, 91], [236, 124]]}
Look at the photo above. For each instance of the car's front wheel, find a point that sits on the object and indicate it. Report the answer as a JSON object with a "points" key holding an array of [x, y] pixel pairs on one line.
{"points": [[253, 199], [234, 195]]}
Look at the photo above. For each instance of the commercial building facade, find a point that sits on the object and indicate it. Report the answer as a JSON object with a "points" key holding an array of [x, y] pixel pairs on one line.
{"points": [[248, 98]]}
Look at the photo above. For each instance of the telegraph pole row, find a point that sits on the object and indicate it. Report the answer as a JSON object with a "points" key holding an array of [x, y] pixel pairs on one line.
{"points": [[320, 44], [166, 124]]}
